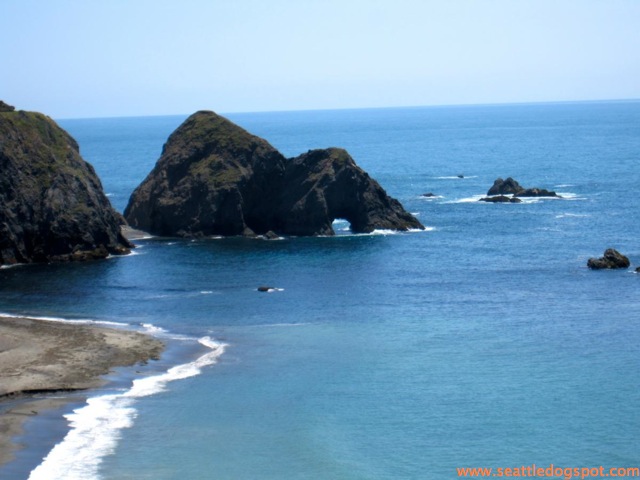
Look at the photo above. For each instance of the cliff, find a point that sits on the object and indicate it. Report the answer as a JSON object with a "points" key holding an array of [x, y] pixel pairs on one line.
{"points": [[215, 178], [52, 206]]}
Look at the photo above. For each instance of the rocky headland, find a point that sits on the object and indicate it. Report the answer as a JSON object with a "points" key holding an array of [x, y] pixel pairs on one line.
{"points": [[215, 178], [52, 206]]}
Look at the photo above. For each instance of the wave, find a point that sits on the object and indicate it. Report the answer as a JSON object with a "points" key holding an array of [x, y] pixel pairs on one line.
{"points": [[181, 294], [96, 427], [80, 321], [525, 200], [475, 198], [385, 232], [573, 215], [455, 177]]}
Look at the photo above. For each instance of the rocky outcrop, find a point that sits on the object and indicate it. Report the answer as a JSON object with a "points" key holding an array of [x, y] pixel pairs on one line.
{"points": [[512, 187], [52, 206], [612, 259], [214, 178]]}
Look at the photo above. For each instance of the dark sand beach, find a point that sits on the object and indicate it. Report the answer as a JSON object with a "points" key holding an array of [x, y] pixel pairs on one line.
{"points": [[38, 356]]}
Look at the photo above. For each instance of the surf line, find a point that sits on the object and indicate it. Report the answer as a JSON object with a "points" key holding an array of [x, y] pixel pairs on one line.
{"points": [[95, 427]]}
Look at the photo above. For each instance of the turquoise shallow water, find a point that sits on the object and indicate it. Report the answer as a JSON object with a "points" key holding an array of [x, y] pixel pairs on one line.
{"points": [[483, 341]]}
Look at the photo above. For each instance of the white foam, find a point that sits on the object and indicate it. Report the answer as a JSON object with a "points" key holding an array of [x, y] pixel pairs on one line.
{"points": [[473, 199], [573, 215], [14, 265], [455, 177], [66, 320], [152, 329], [96, 427], [273, 289]]}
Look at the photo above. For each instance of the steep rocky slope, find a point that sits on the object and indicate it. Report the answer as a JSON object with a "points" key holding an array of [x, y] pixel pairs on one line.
{"points": [[52, 206]]}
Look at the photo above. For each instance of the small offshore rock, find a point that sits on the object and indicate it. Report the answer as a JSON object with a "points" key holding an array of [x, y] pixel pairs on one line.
{"points": [[428, 195], [500, 199], [505, 187], [265, 289], [536, 192], [512, 187], [612, 259]]}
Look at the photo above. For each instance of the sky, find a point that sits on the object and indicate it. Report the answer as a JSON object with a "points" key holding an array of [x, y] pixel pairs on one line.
{"points": [[89, 58]]}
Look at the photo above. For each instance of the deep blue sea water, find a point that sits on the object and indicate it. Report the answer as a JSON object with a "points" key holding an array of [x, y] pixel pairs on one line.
{"points": [[483, 341]]}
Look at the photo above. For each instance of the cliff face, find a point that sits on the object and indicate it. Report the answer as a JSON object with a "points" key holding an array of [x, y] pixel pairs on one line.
{"points": [[214, 178], [52, 207]]}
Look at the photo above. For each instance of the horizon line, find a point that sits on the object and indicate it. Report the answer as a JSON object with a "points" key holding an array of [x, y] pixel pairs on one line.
{"points": [[395, 107]]}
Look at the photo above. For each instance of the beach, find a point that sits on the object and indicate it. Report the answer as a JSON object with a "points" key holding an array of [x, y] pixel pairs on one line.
{"points": [[39, 356]]}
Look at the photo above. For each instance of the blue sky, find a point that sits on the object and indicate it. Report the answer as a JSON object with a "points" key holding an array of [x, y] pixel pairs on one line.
{"points": [[86, 58]]}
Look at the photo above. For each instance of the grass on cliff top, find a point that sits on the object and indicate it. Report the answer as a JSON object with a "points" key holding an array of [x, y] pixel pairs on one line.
{"points": [[40, 145], [210, 128]]}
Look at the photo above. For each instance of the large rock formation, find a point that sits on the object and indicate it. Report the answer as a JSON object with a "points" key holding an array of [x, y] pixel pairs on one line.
{"points": [[52, 206], [214, 178], [611, 259]]}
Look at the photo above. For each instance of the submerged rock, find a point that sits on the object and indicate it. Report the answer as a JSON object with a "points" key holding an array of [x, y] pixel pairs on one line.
{"points": [[52, 206], [215, 178], [612, 259]]}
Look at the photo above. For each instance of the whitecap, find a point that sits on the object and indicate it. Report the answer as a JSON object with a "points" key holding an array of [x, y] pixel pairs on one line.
{"points": [[573, 215], [96, 427], [473, 199]]}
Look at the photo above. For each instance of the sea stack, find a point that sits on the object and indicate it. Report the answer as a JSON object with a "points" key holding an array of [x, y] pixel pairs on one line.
{"points": [[215, 178], [52, 206]]}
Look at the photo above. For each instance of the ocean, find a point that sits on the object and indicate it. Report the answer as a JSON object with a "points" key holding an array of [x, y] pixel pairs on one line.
{"points": [[483, 341]]}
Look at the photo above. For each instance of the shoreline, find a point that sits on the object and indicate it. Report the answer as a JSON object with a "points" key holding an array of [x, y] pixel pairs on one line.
{"points": [[44, 356]]}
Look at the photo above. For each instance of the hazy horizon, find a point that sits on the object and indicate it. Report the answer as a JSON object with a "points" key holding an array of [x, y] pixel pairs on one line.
{"points": [[71, 59], [390, 107]]}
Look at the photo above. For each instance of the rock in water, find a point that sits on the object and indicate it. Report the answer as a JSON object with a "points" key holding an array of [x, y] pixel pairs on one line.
{"points": [[611, 259], [215, 178], [501, 199], [52, 206], [505, 187], [512, 187]]}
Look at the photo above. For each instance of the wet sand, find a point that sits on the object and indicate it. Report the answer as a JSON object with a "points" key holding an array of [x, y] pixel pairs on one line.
{"points": [[38, 356]]}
